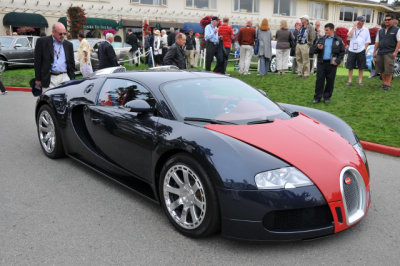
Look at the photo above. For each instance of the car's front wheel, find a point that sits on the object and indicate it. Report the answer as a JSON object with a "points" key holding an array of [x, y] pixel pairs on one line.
{"points": [[188, 197], [49, 133]]}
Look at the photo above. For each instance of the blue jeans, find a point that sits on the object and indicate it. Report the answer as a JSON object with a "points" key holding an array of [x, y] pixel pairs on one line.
{"points": [[264, 65]]}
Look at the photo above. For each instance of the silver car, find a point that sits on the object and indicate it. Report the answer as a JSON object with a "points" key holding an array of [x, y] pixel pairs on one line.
{"points": [[18, 50], [121, 50]]}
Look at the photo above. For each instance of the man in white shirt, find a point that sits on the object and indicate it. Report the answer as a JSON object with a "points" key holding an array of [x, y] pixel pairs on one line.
{"points": [[359, 41]]}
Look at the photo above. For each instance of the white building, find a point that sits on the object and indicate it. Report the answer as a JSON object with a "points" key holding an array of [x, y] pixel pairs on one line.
{"points": [[123, 14]]}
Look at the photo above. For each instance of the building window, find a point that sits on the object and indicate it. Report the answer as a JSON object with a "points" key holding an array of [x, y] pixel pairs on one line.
{"points": [[247, 6], [367, 14], [150, 2], [348, 13], [381, 15], [318, 10], [285, 7], [202, 4]]}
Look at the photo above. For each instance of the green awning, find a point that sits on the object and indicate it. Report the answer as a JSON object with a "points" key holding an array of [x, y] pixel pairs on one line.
{"points": [[95, 23], [24, 19]]}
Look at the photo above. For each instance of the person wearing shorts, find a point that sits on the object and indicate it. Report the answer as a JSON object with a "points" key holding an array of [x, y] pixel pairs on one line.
{"points": [[359, 40], [387, 45]]}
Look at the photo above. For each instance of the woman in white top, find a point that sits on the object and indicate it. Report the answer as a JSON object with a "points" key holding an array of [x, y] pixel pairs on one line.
{"points": [[157, 48]]}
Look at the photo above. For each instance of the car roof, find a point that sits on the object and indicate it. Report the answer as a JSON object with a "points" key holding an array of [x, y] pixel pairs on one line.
{"points": [[154, 78]]}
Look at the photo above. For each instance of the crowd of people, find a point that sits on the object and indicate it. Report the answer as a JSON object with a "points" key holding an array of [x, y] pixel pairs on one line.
{"points": [[306, 43]]}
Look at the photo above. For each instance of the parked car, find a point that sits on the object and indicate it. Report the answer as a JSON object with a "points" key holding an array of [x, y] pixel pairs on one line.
{"points": [[272, 67], [371, 66], [121, 50], [18, 49], [217, 154]]}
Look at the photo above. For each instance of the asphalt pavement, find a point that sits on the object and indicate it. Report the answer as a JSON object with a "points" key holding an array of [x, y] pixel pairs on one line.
{"points": [[58, 212]]}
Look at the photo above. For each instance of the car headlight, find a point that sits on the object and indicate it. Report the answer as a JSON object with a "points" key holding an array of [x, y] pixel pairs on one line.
{"points": [[288, 177], [360, 151]]}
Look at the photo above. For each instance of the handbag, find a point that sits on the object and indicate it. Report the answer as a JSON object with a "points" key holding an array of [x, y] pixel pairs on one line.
{"points": [[256, 46]]}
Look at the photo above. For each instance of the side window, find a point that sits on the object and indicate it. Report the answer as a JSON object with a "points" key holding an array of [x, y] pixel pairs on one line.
{"points": [[117, 92], [23, 41]]}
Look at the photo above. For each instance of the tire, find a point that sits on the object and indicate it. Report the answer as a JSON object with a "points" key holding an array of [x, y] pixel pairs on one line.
{"points": [[49, 133], [397, 67], [272, 65], [190, 203]]}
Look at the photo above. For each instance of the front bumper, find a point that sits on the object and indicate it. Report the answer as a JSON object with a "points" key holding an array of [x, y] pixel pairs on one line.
{"points": [[295, 214]]}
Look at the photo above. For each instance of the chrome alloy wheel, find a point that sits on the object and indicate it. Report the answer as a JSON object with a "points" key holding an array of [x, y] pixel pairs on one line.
{"points": [[184, 196], [47, 132]]}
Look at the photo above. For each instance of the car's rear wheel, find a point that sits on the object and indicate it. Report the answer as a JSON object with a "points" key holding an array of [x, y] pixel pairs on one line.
{"points": [[272, 65], [188, 197], [397, 67], [49, 133]]}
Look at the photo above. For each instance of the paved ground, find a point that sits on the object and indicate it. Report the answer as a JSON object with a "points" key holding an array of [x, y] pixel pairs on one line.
{"points": [[57, 212]]}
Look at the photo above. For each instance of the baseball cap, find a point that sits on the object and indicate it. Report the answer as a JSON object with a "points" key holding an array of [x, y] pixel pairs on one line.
{"points": [[197, 34], [305, 17], [360, 18], [215, 18]]}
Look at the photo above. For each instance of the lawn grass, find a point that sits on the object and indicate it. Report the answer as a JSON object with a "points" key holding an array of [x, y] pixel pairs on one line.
{"points": [[373, 113]]}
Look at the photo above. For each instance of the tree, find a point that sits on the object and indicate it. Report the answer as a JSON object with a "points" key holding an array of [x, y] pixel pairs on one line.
{"points": [[76, 18]]}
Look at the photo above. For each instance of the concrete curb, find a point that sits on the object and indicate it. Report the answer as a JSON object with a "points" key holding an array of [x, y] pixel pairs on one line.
{"points": [[366, 145]]}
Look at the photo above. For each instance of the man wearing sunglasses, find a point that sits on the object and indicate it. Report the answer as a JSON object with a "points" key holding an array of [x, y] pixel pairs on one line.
{"points": [[54, 59], [387, 45]]}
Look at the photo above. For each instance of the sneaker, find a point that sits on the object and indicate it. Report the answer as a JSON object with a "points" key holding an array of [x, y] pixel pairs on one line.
{"points": [[4, 92], [381, 86], [299, 76], [316, 101], [386, 87], [361, 84], [349, 83], [326, 101]]}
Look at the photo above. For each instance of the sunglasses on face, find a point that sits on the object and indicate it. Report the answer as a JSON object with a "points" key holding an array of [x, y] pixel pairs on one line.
{"points": [[388, 19], [62, 33]]}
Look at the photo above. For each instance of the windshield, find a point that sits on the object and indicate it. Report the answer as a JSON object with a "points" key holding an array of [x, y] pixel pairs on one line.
{"points": [[222, 99], [6, 41]]}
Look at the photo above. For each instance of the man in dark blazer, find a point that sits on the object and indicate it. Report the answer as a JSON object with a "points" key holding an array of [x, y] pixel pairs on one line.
{"points": [[107, 56], [330, 50], [54, 59], [176, 55], [132, 40]]}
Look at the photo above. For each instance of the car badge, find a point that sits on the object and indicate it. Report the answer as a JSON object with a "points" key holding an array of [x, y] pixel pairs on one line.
{"points": [[348, 181]]}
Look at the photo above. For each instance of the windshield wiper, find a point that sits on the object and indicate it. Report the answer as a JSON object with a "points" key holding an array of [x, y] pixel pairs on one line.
{"points": [[264, 121], [207, 120]]}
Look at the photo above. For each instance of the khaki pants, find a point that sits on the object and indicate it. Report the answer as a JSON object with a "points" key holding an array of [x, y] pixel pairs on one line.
{"points": [[56, 80], [303, 60], [246, 52], [190, 58], [132, 57]]}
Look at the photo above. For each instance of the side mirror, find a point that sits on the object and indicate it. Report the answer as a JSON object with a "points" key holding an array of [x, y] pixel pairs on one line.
{"points": [[263, 92], [138, 106]]}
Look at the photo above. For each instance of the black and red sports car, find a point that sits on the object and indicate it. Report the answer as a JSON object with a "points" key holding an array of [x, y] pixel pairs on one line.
{"points": [[217, 154]]}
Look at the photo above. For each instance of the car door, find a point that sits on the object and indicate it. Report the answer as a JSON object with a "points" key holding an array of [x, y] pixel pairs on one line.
{"points": [[23, 52], [125, 138]]}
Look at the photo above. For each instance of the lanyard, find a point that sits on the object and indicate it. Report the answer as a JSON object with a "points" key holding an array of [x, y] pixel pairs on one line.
{"points": [[59, 51], [359, 32]]}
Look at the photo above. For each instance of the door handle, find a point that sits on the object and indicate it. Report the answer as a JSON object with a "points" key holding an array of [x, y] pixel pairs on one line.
{"points": [[96, 121]]}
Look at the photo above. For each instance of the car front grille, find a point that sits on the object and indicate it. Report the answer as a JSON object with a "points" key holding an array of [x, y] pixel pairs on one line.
{"points": [[354, 194]]}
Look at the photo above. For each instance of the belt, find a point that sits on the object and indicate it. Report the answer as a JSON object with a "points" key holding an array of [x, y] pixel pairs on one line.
{"points": [[55, 73], [211, 43]]}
